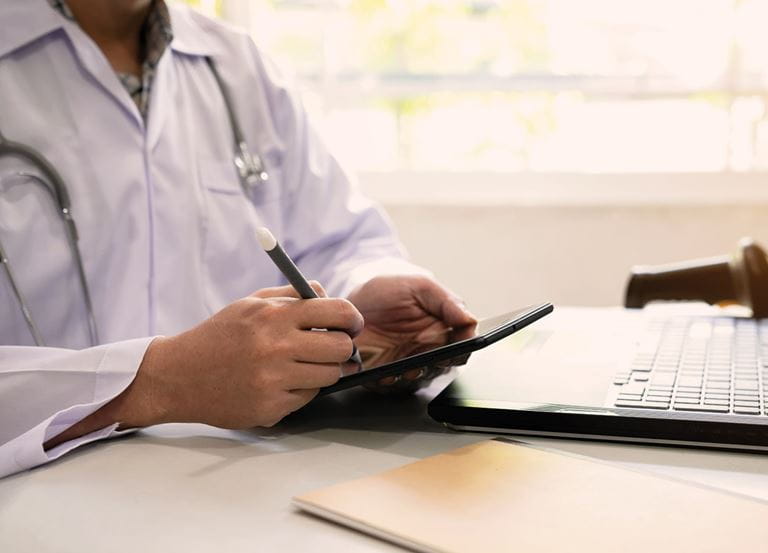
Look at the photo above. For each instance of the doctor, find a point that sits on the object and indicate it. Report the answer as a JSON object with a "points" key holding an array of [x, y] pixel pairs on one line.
{"points": [[179, 315]]}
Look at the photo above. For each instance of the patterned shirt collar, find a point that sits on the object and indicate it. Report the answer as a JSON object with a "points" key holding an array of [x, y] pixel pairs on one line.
{"points": [[156, 36]]}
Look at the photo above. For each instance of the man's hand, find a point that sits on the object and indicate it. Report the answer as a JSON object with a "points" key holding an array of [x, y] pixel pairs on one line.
{"points": [[400, 309], [251, 364]]}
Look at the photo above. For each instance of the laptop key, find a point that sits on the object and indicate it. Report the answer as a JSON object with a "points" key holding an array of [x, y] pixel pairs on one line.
{"points": [[717, 397], [746, 410], [642, 404], [633, 388], [626, 402], [657, 404], [692, 366], [747, 375], [687, 400], [747, 401], [742, 403], [666, 379], [689, 382], [703, 408], [659, 399], [716, 401]]}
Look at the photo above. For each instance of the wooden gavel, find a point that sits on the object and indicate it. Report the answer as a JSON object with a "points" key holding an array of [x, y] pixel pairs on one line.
{"points": [[739, 278]]}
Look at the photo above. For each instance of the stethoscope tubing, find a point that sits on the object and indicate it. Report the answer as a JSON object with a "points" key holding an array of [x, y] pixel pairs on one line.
{"points": [[54, 185], [36, 336], [250, 168]]}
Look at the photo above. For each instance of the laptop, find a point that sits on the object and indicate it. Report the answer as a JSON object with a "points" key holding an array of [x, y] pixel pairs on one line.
{"points": [[668, 374]]}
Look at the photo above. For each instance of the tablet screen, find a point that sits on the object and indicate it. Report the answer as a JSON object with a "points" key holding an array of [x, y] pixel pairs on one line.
{"points": [[377, 350]]}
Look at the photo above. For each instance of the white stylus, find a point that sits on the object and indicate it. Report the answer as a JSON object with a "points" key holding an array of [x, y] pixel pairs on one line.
{"points": [[291, 272]]}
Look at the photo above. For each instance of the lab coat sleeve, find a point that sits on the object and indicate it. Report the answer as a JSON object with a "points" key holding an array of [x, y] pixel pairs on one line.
{"points": [[44, 391], [334, 233]]}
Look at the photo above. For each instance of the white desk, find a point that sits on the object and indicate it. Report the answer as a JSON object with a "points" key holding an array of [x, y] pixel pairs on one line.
{"points": [[193, 488]]}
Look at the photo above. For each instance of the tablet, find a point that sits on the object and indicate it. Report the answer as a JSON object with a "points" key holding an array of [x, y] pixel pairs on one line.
{"points": [[451, 347]]}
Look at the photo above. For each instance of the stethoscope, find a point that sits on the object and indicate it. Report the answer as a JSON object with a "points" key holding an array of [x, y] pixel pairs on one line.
{"points": [[250, 170]]}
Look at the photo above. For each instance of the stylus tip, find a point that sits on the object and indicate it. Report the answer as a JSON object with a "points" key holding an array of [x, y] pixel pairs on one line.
{"points": [[266, 239]]}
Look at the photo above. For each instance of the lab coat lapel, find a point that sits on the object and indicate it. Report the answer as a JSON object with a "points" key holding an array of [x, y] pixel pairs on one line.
{"points": [[95, 63], [24, 21], [161, 98]]}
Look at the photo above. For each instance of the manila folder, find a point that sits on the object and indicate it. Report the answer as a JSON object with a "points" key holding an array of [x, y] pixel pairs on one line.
{"points": [[498, 496]]}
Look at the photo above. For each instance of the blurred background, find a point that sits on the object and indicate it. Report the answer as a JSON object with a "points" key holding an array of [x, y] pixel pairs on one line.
{"points": [[532, 150]]}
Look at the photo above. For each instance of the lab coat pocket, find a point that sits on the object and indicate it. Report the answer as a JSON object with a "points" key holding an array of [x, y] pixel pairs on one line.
{"points": [[233, 263], [222, 177]]}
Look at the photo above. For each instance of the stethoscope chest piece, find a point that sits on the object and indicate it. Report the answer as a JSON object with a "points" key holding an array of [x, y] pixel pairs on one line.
{"points": [[250, 168]]}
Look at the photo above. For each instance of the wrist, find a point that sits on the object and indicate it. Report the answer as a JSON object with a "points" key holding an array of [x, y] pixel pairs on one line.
{"points": [[147, 401], [140, 404]]}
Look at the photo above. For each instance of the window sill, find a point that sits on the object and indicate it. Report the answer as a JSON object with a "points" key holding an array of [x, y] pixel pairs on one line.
{"points": [[566, 189]]}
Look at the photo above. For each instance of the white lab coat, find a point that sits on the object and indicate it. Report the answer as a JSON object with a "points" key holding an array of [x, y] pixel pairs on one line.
{"points": [[167, 234]]}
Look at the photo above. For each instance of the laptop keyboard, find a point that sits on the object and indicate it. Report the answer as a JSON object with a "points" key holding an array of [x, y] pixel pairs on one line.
{"points": [[703, 364]]}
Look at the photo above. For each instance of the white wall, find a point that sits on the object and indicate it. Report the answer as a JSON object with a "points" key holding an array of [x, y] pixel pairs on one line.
{"points": [[573, 247]]}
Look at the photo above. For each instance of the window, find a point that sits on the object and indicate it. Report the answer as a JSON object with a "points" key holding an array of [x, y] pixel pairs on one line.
{"points": [[527, 85]]}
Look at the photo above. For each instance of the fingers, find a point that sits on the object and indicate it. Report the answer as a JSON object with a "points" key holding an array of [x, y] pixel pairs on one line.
{"points": [[289, 402], [334, 313], [322, 312], [410, 376], [388, 380], [462, 332], [288, 291], [318, 288], [441, 303], [303, 383], [420, 377], [276, 292], [311, 376], [350, 367], [455, 314], [323, 347], [415, 374], [299, 398]]}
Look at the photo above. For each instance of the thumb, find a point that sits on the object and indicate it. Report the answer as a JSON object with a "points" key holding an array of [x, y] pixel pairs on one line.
{"points": [[444, 305]]}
